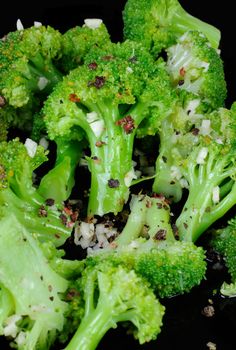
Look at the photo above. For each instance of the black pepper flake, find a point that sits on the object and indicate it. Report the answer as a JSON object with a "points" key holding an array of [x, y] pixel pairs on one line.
{"points": [[175, 231], [63, 219], [159, 205], [160, 235], [42, 212], [72, 293], [181, 82], [92, 65], [113, 183], [94, 158], [185, 225], [57, 236], [51, 298], [133, 59], [41, 277], [50, 288], [172, 182], [2, 101], [50, 202], [107, 58], [195, 131]]}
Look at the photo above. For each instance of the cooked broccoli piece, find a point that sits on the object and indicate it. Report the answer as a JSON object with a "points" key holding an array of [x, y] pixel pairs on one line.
{"points": [[209, 170], [108, 97], [195, 66], [43, 217], [159, 23], [78, 41], [27, 64], [148, 245], [114, 294], [33, 317], [223, 240]]}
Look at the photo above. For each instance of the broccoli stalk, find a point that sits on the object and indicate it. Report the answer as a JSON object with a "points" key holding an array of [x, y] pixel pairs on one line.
{"points": [[113, 295], [159, 23], [33, 317], [43, 217], [210, 172], [108, 97]]}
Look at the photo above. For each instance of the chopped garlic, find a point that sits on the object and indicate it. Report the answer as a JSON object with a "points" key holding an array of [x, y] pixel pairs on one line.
{"points": [[93, 23], [37, 24], [205, 128], [192, 106], [31, 147], [129, 70], [44, 143], [42, 83], [202, 155], [175, 172], [96, 124], [11, 328], [19, 25], [129, 177], [216, 195]]}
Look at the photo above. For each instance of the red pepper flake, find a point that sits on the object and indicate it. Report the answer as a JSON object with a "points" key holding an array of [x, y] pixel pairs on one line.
{"points": [[100, 143], [182, 72], [74, 216], [93, 65], [2, 101], [67, 210], [98, 82], [74, 98], [195, 131], [113, 183], [50, 202], [63, 218], [127, 123], [72, 293]]}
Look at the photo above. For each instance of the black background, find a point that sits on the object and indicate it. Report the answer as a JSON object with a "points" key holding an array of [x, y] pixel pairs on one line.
{"points": [[184, 325]]}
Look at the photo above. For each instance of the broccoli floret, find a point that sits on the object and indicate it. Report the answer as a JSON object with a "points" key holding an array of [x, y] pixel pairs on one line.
{"points": [[114, 294], [148, 245], [195, 66], [209, 170], [33, 318], [108, 97], [27, 63], [159, 23], [42, 216], [223, 240], [78, 41]]}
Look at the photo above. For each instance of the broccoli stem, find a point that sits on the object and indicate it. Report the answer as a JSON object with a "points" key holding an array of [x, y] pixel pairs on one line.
{"points": [[92, 328], [183, 21], [59, 181]]}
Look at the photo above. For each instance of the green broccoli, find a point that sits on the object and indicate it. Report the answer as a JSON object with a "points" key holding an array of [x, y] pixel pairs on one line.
{"points": [[159, 23], [107, 98], [147, 244], [209, 170], [78, 41], [114, 294], [33, 318], [43, 217], [195, 66], [223, 240]]}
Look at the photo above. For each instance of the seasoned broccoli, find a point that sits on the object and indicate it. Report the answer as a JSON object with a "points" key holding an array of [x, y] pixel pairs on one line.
{"points": [[33, 317], [108, 97], [78, 41], [42, 216], [114, 294], [209, 170], [223, 240], [195, 66], [148, 245], [159, 23]]}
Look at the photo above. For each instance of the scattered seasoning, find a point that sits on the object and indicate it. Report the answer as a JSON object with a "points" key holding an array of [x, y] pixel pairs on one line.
{"points": [[63, 219], [92, 65], [208, 210], [148, 204], [133, 59], [175, 231], [72, 293], [107, 58], [100, 143], [172, 182], [113, 183], [159, 205], [127, 123], [50, 288], [41, 277], [195, 131], [181, 82], [211, 346], [50, 202], [51, 298], [185, 225], [57, 236], [182, 72], [74, 98], [2, 101], [160, 235], [42, 212], [208, 311], [74, 216], [98, 82]]}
